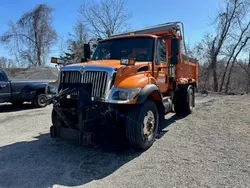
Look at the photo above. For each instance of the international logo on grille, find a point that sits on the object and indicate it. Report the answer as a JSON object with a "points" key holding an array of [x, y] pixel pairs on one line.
{"points": [[82, 71]]}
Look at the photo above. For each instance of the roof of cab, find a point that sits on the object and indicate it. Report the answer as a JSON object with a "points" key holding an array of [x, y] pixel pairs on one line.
{"points": [[129, 36]]}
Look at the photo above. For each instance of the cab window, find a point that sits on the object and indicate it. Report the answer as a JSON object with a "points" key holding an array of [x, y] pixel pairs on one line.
{"points": [[139, 48], [1, 77], [161, 52]]}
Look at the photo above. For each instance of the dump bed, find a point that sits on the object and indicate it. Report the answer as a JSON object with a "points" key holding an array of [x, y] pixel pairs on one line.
{"points": [[187, 70]]}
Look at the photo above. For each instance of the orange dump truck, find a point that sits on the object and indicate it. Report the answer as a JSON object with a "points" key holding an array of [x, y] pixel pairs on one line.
{"points": [[131, 80]]}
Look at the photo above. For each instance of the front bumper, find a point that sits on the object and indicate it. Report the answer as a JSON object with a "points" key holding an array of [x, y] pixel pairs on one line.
{"points": [[74, 135]]}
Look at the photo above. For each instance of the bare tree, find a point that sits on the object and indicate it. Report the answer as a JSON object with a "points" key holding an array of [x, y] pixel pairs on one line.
{"points": [[248, 75], [233, 62], [224, 25], [247, 71], [237, 38], [77, 40], [205, 52], [236, 49], [105, 17], [32, 35], [6, 63], [213, 46], [215, 43]]}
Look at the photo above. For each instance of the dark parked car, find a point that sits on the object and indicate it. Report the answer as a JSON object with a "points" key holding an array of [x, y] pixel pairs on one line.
{"points": [[17, 92]]}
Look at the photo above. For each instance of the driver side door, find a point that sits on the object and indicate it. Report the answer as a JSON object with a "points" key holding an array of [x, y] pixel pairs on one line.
{"points": [[161, 71], [4, 89]]}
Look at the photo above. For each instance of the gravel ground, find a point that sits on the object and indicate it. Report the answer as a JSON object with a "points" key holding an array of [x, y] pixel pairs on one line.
{"points": [[209, 148]]}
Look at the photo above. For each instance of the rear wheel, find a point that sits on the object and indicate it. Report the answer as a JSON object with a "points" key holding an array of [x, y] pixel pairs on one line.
{"points": [[142, 125], [184, 101], [40, 100]]}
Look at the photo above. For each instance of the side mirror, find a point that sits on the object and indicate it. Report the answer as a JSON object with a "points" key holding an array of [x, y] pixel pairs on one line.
{"points": [[175, 48], [86, 51]]}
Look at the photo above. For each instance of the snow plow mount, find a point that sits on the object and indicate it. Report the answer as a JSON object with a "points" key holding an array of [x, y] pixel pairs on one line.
{"points": [[74, 121], [83, 120]]}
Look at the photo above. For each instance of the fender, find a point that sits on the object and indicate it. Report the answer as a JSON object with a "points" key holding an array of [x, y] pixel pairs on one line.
{"points": [[30, 90], [38, 87], [185, 86], [144, 94], [146, 91]]}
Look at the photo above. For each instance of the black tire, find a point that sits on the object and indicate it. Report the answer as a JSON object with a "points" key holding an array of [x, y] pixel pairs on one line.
{"points": [[53, 132], [17, 103], [135, 125], [57, 123], [56, 120], [40, 100], [184, 101]]}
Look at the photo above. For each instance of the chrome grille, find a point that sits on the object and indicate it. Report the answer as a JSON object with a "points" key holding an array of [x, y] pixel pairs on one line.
{"points": [[98, 79]]}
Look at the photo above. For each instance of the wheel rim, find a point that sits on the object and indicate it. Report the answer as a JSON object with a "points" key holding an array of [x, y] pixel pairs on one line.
{"points": [[148, 125], [42, 100]]}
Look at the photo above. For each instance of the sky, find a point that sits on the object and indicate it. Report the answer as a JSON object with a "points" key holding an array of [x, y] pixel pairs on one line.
{"points": [[197, 15]]}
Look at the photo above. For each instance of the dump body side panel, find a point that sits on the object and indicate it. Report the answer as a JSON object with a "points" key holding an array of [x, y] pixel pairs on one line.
{"points": [[187, 70]]}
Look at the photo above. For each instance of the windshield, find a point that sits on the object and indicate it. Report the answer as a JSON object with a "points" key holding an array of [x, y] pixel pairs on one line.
{"points": [[139, 48]]}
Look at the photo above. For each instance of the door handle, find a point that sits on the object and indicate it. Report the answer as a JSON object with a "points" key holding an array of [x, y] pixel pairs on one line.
{"points": [[2, 86]]}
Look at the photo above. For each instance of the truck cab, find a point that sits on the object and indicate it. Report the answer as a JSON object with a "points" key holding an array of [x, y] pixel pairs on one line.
{"points": [[140, 75]]}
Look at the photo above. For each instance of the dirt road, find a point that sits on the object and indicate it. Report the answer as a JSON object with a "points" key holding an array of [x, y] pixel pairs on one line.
{"points": [[210, 148]]}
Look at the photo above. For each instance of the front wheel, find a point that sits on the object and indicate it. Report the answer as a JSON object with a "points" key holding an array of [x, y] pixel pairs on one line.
{"points": [[142, 125]]}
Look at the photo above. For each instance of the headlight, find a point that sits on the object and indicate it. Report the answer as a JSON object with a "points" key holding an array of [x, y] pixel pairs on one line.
{"points": [[120, 95], [51, 89], [123, 95]]}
